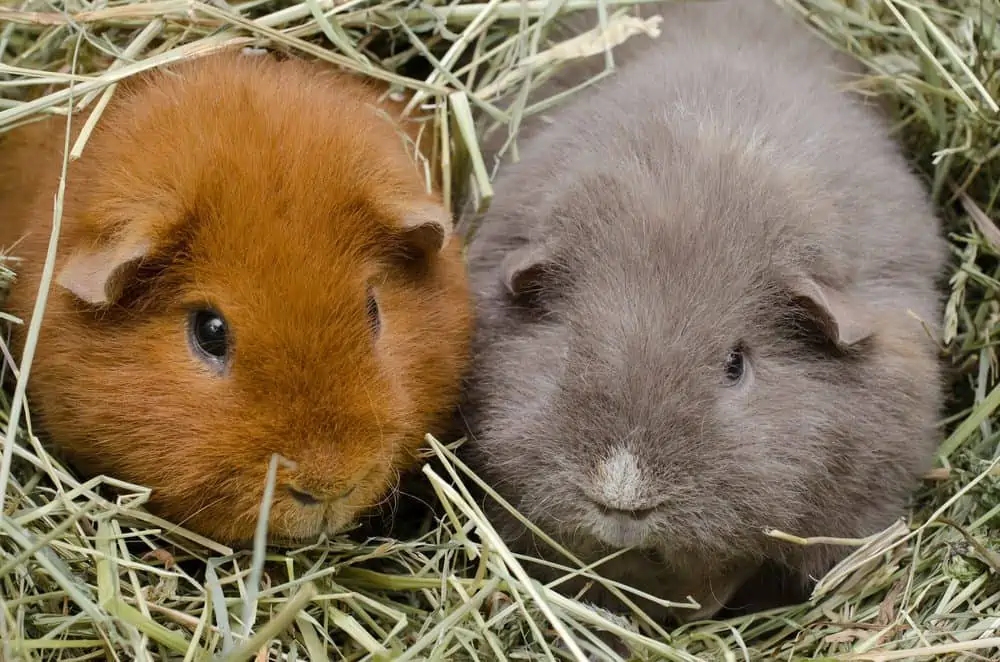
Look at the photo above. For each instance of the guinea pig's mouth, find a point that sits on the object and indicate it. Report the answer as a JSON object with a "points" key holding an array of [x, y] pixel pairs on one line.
{"points": [[294, 520], [327, 522], [620, 528]]}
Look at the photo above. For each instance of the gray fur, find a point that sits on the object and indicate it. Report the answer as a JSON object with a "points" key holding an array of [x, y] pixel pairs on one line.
{"points": [[669, 213]]}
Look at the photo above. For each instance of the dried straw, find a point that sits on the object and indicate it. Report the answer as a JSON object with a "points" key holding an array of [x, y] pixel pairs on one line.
{"points": [[87, 573]]}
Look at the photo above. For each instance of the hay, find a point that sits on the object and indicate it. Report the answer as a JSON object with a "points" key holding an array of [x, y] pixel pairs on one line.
{"points": [[86, 573]]}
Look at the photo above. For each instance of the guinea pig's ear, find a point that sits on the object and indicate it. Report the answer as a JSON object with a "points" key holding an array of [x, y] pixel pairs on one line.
{"points": [[843, 321], [423, 230], [525, 269], [97, 274]]}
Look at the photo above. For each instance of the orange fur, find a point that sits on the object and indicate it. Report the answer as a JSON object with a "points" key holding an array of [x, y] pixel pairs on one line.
{"points": [[274, 192]]}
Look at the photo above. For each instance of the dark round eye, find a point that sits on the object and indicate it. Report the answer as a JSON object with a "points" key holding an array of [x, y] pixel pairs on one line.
{"points": [[735, 366], [209, 335], [374, 319]]}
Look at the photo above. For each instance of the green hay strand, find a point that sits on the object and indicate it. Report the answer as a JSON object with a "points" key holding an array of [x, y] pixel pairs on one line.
{"points": [[87, 573]]}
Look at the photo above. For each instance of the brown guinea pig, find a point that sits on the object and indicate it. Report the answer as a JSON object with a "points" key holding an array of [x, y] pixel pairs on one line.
{"points": [[250, 263]]}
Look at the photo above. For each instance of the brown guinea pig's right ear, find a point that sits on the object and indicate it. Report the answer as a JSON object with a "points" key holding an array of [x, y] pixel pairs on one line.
{"points": [[97, 274], [423, 229]]}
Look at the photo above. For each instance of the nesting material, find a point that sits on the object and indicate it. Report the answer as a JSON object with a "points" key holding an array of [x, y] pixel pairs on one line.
{"points": [[86, 573]]}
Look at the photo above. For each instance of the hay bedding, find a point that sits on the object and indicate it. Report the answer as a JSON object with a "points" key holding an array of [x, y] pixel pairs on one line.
{"points": [[85, 573]]}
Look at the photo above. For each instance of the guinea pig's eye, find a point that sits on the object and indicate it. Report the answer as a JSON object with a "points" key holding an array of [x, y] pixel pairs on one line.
{"points": [[735, 366], [209, 335], [374, 318]]}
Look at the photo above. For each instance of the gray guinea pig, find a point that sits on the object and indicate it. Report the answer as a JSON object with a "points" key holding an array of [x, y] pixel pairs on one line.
{"points": [[702, 298]]}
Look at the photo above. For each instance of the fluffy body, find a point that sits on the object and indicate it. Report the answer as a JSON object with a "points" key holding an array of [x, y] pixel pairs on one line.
{"points": [[718, 192], [276, 192]]}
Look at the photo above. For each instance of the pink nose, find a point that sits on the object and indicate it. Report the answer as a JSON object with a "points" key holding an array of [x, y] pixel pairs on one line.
{"points": [[312, 497]]}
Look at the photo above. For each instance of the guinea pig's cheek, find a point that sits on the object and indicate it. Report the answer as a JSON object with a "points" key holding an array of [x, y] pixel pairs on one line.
{"points": [[740, 397], [338, 520], [392, 374], [373, 488]]}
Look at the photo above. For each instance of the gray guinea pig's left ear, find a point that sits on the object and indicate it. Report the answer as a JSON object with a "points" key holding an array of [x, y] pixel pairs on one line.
{"points": [[525, 268]]}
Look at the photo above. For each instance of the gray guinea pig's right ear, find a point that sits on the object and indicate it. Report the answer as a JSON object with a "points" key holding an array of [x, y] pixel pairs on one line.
{"points": [[525, 269], [843, 319]]}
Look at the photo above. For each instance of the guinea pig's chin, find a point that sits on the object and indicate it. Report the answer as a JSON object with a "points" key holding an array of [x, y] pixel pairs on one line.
{"points": [[622, 531]]}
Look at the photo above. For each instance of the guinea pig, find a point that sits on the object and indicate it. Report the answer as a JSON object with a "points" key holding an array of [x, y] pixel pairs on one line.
{"points": [[250, 263], [703, 302]]}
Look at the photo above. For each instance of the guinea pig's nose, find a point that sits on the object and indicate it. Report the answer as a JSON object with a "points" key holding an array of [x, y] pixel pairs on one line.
{"points": [[304, 498], [620, 486], [314, 497]]}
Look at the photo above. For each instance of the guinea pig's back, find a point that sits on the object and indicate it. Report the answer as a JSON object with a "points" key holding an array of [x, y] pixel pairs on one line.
{"points": [[751, 105], [750, 75], [24, 160]]}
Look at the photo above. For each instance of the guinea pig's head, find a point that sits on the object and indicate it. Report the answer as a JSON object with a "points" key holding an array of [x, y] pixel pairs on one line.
{"points": [[675, 366], [251, 265]]}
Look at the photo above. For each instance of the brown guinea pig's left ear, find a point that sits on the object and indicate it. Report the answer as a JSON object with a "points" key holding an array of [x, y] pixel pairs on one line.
{"points": [[423, 230], [843, 320], [97, 274]]}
